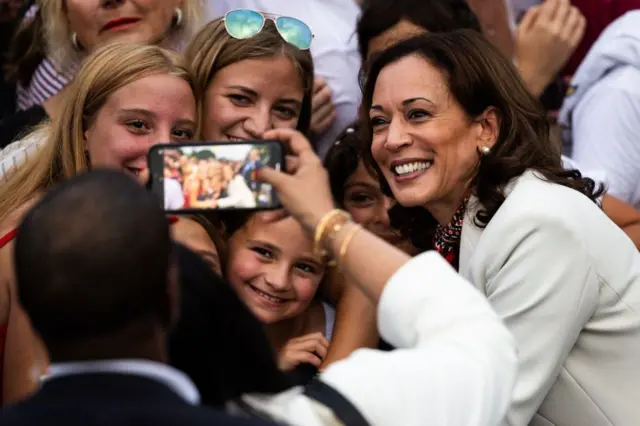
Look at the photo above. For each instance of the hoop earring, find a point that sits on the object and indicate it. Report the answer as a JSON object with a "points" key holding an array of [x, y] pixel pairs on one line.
{"points": [[484, 151], [177, 20], [75, 42]]}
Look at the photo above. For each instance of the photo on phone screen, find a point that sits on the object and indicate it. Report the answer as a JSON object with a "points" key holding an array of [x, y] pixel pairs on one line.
{"points": [[214, 176]]}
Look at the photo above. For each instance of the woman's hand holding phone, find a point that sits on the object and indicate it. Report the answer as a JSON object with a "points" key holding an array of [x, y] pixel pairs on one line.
{"points": [[304, 190]]}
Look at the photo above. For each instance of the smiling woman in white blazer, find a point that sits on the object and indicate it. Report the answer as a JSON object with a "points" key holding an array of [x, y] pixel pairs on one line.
{"points": [[465, 150]]}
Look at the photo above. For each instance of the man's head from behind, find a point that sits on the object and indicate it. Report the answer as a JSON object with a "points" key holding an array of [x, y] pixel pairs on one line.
{"points": [[384, 22], [92, 263]]}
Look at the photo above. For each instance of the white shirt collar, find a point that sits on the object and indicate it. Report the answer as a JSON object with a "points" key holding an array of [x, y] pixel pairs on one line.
{"points": [[177, 381]]}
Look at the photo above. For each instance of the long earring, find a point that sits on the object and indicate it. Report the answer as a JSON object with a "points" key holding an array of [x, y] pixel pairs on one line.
{"points": [[177, 20], [484, 151], [75, 42]]}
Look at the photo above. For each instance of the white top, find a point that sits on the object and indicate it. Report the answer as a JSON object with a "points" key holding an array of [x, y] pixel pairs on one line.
{"points": [[169, 376], [238, 195], [566, 282], [173, 195], [329, 320], [606, 132], [455, 365], [603, 114], [17, 153], [334, 49]]}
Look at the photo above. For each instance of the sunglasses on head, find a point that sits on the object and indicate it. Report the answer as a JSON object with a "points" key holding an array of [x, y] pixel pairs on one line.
{"points": [[245, 23]]}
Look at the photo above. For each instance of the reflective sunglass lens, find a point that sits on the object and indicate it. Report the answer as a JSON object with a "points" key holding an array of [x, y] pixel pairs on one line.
{"points": [[295, 31], [243, 24]]}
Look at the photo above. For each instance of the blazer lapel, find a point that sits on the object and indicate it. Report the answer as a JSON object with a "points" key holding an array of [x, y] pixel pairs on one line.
{"points": [[471, 233], [469, 238]]}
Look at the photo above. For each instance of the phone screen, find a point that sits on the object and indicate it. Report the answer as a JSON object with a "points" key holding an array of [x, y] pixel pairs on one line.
{"points": [[214, 176]]}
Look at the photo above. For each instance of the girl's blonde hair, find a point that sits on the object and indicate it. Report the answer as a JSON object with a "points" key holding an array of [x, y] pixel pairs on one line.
{"points": [[213, 49], [62, 154], [57, 32]]}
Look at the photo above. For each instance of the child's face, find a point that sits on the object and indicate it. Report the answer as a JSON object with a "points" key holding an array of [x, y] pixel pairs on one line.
{"points": [[273, 269]]}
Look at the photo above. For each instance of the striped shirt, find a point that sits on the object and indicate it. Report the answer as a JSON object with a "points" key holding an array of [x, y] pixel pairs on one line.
{"points": [[46, 82], [18, 153]]}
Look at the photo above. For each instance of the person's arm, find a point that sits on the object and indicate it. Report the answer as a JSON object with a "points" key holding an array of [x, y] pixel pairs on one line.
{"points": [[353, 308], [455, 364], [624, 215], [25, 358], [613, 147], [545, 39], [494, 19], [542, 284]]}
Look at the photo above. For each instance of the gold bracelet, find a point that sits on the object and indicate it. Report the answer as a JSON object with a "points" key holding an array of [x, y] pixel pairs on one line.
{"points": [[333, 230], [347, 241], [320, 230], [329, 226]]}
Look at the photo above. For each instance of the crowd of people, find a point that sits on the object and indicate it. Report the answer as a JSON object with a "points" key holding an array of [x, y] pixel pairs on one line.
{"points": [[200, 181], [459, 233]]}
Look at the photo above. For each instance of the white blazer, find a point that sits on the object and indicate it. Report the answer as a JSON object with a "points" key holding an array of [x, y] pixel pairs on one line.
{"points": [[566, 281]]}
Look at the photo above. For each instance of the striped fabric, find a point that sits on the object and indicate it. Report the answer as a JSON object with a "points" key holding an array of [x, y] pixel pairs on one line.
{"points": [[17, 154], [46, 82]]}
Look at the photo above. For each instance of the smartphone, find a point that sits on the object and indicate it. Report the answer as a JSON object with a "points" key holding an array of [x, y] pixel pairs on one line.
{"points": [[205, 176]]}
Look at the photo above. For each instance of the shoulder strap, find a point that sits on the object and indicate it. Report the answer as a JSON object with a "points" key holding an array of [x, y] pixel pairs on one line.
{"points": [[332, 399], [5, 239]]}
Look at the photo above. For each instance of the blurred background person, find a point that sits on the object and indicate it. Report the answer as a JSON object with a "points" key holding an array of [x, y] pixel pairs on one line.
{"points": [[58, 34], [602, 112]]}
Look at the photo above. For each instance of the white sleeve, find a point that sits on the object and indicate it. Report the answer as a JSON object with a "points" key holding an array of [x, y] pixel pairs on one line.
{"points": [[605, 132], [18, 153], [173, 196], [455, 364], [231, 201]]}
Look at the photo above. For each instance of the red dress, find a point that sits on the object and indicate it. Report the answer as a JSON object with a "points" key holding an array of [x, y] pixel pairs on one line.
{"points": [[4, 240]]}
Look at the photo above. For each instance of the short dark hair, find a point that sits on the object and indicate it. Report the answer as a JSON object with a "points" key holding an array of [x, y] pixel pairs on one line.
{"points": [[217, 342], [342, 160], [433, 15], [92, 258], [478, 76]]}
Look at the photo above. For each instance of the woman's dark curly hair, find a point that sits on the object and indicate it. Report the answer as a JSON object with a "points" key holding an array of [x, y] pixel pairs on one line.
{"points": [[478, 77]]}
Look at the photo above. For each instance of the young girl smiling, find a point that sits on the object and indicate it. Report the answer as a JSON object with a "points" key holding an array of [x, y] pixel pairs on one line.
{"points": [[274, 270]]}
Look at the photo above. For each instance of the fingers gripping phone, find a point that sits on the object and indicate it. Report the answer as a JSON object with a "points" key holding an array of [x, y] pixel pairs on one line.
{"points": [[205, 176]]}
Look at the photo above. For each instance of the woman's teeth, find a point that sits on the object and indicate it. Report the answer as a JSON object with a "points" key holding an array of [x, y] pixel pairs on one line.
{"points": [[267, 296], [412, 167]]}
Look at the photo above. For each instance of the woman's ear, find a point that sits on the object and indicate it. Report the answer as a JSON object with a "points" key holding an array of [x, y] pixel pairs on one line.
{"points": [[86, 135], [489, 127]]}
